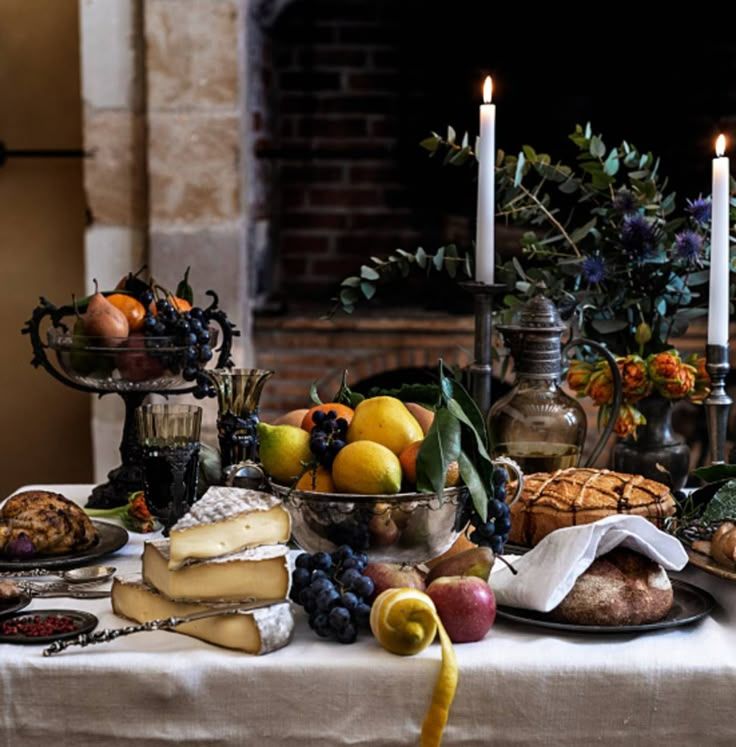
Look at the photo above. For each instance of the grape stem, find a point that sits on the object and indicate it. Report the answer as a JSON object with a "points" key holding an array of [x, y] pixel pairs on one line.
{"points": [[507, 564]]}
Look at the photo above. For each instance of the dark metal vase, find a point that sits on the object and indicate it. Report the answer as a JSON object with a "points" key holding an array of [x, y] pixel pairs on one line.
{"points": [[656, 444]]}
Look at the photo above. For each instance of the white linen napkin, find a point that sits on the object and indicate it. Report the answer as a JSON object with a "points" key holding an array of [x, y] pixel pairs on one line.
{"points": [[548, 572]]}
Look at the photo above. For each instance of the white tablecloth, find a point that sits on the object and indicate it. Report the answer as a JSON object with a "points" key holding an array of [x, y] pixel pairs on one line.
{"points": [[519, 686]]}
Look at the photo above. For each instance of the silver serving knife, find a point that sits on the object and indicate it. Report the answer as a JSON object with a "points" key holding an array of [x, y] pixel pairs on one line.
{"points": [[71, 594], [166, 623]]}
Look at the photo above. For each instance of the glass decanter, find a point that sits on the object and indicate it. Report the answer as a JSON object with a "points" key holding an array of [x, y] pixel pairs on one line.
{"points": [[537, 424]]}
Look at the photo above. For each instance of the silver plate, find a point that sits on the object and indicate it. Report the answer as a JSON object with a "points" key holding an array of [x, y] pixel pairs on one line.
{"points": [[111, 538], [690, 604]]}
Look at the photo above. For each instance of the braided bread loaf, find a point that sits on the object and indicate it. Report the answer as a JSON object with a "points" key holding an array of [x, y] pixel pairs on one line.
{"points": [[578, 495]]}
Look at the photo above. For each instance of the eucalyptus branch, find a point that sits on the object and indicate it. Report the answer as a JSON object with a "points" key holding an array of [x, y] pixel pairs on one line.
{"points": [[540, 205]]}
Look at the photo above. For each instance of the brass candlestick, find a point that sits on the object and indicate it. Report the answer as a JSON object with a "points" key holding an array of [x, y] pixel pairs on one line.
{"points": [[480, 371], [718, 403]]}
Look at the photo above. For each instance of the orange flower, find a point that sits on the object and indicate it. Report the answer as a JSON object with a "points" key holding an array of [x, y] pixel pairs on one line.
{"points": [[635, 378], [600, 387], [702, 379], [681, 385], [628, 420], [578, 376], [664, 366]]}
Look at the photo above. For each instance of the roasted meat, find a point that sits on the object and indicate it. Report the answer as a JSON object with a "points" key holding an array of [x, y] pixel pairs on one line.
{"points": [[53, 524]]}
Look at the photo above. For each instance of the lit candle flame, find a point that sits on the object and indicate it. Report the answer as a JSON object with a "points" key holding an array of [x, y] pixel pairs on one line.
{"points": [[487, 90], [720, 145]]}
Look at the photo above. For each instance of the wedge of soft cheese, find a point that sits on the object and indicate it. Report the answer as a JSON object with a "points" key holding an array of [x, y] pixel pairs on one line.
{"points": [[226, 520], [255, 632], [257, 573]]}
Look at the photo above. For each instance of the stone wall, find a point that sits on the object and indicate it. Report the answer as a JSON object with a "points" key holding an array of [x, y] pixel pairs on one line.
{"points": [[164, 93]]}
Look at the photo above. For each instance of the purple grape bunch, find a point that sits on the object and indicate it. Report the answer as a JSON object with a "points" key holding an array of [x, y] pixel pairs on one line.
{"points": [[334, 592]]}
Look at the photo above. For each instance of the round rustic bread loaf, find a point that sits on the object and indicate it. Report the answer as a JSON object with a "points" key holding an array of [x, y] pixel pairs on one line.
{"points": [[568, 497], [619, 588]]}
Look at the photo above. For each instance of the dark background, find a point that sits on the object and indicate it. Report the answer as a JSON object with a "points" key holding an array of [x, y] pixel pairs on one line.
{"points": [[354, 85]]}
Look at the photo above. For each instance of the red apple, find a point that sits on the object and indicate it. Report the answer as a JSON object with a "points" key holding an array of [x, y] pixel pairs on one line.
{"points": [[383, 530], [393, 576], [135, 364], [466, 606]]}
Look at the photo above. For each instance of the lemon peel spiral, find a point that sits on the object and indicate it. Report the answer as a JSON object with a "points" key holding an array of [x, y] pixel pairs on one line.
{"points": [[405, 622]]}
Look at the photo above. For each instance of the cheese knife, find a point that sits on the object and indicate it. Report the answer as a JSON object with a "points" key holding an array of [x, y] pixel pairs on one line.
{"points": [[166, 623]]}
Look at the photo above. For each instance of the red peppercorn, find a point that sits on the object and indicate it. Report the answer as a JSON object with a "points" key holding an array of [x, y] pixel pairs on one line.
{"points": [[37, 627]]}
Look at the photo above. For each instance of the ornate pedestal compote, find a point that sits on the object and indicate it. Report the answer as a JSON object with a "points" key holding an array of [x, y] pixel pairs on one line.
{"points": [[132, 367]]}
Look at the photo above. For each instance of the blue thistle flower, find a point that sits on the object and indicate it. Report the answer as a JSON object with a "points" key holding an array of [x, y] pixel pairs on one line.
{"points": [[700, 210], [637, 235], [625, 202], [689, 245], [594, 270]]}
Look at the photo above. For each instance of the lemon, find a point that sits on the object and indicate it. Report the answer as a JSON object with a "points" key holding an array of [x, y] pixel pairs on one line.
{"points": [[283, 450], [316, 479], [366, 467], [386, 421], [405, 621]]}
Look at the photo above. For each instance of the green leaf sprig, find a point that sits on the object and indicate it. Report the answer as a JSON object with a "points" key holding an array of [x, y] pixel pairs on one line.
{"points": [[458, 433]]}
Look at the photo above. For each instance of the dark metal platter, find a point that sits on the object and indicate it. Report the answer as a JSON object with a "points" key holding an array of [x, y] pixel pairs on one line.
{"points": [[85, 621], [111, 538], [19, 603], [690, 605]]}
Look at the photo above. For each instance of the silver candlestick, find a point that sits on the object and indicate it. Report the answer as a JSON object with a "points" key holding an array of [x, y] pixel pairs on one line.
{"points": [[718, 403], [480, 370]]}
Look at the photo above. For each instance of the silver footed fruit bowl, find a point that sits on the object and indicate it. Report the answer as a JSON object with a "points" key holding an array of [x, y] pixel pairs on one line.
{"points": [[399, 528]]}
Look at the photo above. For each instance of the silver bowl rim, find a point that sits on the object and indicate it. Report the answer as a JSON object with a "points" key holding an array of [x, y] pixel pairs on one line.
{"points": [[311, 495]]}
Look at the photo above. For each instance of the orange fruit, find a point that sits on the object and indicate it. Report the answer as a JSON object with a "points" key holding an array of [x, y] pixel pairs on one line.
{"points": [[132, 309], [343, 411], [180, 304], [316, 480], [408, 460]]}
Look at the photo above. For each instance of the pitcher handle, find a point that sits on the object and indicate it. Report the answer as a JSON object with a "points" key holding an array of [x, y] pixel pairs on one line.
{"points": [[618, 393], [512, 466]]}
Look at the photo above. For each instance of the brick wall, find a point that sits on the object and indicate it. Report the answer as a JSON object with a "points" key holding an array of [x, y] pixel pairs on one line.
{"points": [[303, 350], [340, 129]]}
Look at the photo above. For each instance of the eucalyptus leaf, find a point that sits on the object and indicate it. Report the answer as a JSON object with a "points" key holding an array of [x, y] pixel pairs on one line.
{"points": [[607, 326], [368, 273], [474, 484], [421, 257], [368, 289], [597, 147], [519, 170]]}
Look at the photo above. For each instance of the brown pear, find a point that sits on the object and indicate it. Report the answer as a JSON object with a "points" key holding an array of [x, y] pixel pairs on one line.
{"points": [[476, 562], [104, 321], [422, 415]]}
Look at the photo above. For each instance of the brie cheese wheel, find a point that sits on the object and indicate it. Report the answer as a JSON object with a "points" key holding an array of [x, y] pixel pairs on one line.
{"points": [[226, 520], [256, 632], [257, 573]]}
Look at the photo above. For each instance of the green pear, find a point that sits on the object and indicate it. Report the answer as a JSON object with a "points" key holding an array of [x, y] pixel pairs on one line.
{"points": [[284, 450]]}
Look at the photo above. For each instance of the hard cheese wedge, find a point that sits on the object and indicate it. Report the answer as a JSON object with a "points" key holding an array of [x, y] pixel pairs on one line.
{"points": [[226, 520], [258, 573], [256, 632]]}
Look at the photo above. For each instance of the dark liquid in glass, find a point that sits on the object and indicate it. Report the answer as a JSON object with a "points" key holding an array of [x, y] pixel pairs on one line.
{"points": [[170, 474]]}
